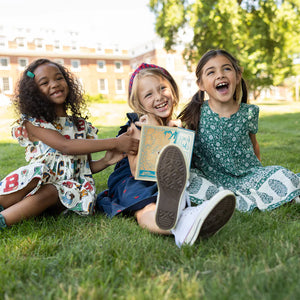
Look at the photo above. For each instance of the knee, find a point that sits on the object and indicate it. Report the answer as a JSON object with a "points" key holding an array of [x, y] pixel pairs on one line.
{"points": [[145, 216]]}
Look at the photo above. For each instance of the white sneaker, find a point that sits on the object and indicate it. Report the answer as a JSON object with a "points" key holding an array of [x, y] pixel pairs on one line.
{"points": [[172, 176], [205, 219], [297, 199]]}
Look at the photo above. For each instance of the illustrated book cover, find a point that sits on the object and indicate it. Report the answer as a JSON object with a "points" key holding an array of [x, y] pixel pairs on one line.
{"points": [[153, 139]]}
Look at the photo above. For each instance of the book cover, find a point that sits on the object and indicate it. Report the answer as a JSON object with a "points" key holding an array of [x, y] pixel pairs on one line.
{"points": [[153, 139]]}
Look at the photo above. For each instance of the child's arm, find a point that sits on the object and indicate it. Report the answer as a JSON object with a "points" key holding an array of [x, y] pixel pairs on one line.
{"points": [[135, 133], [111, 157], [123, 143], [255, 145]]}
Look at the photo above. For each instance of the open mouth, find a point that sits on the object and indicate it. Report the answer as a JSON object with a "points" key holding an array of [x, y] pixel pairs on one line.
{"points": [[161, 105], [222, 87], [56, 93]]}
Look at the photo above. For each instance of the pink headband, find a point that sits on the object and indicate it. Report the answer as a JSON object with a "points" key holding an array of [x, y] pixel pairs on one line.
{"points": [[142, 67]]}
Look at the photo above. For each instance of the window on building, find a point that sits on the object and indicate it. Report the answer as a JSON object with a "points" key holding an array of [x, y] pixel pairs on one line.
{"points": [[5, 85], [99, 48], [75, 65], [3, 42], [120, 86], [23, 62], [117, 49], [57, 45], [134, 66], [103, 86], [21, 42], [4, 63], [39, 44], [59, 61], [74, 46], [101, 66], [118, 66]]}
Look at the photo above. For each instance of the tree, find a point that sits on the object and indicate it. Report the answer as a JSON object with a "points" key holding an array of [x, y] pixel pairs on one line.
{"points": [[263, 34]]}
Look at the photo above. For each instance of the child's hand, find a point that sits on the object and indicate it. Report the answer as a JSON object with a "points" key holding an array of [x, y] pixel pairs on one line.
{"points": [[126, 143], [175, 123], [147, 119], [112, 157]]}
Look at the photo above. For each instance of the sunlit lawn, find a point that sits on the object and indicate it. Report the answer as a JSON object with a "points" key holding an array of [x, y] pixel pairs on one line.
{"points": [[103, 115], [255, 256]]}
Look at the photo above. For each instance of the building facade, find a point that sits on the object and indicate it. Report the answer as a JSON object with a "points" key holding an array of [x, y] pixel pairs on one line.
{"points": [[101, 69]]}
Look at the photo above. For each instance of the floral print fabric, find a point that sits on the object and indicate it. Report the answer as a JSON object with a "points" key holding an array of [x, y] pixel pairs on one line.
{"points": [[224, 158]]}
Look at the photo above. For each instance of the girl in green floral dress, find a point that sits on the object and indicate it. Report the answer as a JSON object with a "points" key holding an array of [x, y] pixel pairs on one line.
{"points": [[226, 152]]}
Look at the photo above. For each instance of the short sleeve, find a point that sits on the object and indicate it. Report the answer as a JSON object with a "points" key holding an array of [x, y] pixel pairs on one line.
{"points": [[253, 114], [91, 132], [19, 131], [132, 118]]}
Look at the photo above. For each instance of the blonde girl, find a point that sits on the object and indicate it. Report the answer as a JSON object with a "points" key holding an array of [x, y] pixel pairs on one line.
{"points": [[160, 207]]}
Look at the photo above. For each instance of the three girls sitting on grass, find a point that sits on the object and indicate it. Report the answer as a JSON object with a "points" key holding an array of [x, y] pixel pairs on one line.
{"points": [[226, 158]]}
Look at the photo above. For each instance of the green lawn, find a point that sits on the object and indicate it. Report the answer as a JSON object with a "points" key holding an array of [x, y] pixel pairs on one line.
{"points": [[255, 256]]}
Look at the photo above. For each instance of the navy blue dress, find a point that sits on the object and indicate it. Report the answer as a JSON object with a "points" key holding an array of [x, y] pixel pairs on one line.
{"points": [[124, 193]]}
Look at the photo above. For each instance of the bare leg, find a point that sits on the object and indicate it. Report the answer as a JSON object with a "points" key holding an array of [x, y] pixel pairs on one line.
{"points": [[32, 206], [13, 198], [146, 219]]}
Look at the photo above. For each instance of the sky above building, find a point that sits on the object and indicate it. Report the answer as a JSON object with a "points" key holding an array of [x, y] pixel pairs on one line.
{"points": [[126, 22]]}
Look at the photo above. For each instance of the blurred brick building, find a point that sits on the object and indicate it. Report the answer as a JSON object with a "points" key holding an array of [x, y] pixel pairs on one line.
{"points": [[101, 69]]}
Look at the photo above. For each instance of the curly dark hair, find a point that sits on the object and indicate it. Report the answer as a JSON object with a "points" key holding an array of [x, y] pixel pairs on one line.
{"points": [[29, 100]]}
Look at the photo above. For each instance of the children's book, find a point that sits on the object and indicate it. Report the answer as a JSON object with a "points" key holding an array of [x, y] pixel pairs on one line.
{"points": [[153, 139]]}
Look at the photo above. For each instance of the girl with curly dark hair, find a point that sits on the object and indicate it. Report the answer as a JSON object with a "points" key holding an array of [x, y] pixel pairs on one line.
{"points": [[58, 143]]}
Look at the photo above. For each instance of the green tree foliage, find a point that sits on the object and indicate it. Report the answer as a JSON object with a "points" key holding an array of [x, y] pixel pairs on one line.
{"points": [[263, 34]]}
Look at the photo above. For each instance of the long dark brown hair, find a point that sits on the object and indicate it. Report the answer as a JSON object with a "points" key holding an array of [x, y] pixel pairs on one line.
{"points": [[190, 116]]}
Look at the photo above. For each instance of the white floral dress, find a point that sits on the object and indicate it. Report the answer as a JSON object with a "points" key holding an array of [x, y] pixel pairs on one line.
{"points": [[70, 174], [224, 158]]}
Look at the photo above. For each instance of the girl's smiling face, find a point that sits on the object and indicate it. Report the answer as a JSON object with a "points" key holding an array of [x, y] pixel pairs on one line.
{"points": [[155, 95], [51, 83], [219, 79]]}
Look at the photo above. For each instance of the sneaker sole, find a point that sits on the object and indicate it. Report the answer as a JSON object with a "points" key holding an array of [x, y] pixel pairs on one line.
{"points": [[220, 209], [171, 173]]}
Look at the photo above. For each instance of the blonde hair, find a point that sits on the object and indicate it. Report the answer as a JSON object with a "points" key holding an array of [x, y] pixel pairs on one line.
{"points": [[133, 99]]}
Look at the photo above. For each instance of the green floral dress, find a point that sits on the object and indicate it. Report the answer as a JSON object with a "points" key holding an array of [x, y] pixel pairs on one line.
{"points": [[224, 158]]}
